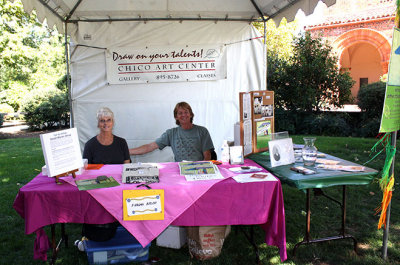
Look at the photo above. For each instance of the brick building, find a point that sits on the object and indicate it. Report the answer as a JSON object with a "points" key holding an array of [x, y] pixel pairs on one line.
{"points": [[361, 34]]}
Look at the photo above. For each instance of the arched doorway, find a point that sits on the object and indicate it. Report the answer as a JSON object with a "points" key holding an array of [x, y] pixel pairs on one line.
{"points": [[365, 53]]}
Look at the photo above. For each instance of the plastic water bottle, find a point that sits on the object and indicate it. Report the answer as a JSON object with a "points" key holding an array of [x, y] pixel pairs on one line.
{"points": [[225, 152]]}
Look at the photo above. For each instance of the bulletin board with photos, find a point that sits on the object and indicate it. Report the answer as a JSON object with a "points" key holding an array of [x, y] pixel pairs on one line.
{"points": [[256, 120]]}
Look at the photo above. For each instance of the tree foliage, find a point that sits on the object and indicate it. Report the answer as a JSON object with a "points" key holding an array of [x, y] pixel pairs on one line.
{"points": [[310, 79], [31, 54], [370, 99], [279, 39], [302, 70], [46, 109]]}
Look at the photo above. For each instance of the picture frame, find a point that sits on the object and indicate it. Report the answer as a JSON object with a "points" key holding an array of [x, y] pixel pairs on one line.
{"points": [[281, 152], [263, 130]]}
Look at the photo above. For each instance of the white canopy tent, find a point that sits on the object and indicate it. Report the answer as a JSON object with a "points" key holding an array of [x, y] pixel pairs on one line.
{"points": [[143, 111]]}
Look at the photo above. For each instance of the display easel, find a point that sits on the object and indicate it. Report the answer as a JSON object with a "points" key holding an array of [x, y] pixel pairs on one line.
{"points": [[65, 174], [256, 120]]}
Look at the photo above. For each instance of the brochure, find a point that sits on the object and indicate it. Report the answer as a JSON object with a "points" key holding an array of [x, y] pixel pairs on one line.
{"points": [[140, 173], [199, 170], [342, 168], [326, 161], [97, 183]]}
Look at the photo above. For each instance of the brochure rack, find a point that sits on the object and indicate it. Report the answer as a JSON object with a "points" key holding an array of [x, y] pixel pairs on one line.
{"points": [[256, 120]]}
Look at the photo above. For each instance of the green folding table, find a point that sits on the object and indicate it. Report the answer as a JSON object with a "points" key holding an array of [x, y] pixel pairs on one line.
{"points": [[322, 179]]}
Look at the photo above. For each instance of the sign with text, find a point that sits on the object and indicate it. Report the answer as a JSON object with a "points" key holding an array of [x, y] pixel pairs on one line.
{"points": [[390, 120], [126, 65], [143, 204], [61, 151]]}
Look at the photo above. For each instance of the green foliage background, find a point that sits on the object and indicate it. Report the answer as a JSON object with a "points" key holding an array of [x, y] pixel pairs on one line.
{"points": [[303, 73], [309, 80], [31, 54]]}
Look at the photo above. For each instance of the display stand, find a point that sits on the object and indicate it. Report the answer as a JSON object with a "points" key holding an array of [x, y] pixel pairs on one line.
{"points": [[256, 120], [66, 174]]}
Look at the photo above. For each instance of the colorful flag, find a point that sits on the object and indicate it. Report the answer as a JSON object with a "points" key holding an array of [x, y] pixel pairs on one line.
{"points": [[390, 120]]}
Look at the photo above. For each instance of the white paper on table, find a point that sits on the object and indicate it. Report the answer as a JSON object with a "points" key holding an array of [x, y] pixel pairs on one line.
{"points": [[245, 178], [342, 168], [245, 170], [203, 177]]}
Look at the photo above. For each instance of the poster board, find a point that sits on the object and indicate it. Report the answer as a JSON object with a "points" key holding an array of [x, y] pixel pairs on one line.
{"points": [[390, 120], [61, 151], [256, 120]]}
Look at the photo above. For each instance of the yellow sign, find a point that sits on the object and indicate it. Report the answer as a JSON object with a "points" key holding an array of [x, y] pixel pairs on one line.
{"points": [[143, 204]]}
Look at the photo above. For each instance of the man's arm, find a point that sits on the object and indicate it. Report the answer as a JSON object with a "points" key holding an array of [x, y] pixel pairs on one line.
{"points": [[144, 149], [207, 155]]}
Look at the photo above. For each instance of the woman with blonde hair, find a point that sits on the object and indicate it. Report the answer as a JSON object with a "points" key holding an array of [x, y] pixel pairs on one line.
{"points": [[106, 148]]}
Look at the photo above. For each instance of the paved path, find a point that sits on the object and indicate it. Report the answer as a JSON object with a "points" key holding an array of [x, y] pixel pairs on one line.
{"points": [[13, 127], [16, 129]]}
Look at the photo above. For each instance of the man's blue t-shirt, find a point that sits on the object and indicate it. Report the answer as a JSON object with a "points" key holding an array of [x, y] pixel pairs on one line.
{"points": [[186, 144]]}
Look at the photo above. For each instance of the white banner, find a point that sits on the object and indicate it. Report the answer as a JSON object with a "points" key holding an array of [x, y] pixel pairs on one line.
{"points": [[165, 64]]}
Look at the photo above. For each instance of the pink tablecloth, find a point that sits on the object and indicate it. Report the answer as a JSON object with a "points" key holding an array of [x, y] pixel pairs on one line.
{"points": [[214, 202]]}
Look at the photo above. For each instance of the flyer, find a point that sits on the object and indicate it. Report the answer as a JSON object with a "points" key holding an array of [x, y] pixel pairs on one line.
{"points": [[61, 151]]}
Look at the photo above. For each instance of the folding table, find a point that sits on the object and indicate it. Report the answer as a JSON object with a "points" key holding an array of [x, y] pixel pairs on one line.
{"points": [[322, 179]]}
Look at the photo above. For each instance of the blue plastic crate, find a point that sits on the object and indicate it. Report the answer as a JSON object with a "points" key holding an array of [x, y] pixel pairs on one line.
{"points": [[122, 248]]}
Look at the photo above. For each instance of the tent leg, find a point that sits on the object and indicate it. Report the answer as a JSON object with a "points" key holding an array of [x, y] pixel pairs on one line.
{"points": [[386, 232], [68, 75]]}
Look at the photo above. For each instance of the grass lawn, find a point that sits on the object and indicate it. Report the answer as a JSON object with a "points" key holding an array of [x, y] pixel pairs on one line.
{"points": [[21, 159]]}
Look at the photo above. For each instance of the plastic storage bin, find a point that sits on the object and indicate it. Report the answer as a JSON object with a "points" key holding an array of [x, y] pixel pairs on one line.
{"points": [[172, 237], [122, 248]]}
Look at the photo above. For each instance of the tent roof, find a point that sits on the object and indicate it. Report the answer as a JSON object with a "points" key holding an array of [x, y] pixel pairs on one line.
{"points": [[57, 12]]}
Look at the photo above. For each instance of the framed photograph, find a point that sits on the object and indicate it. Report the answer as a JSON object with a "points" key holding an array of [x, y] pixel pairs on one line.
{"points": [[262, 134], [257, 105], [267, 111], [281, 152]]}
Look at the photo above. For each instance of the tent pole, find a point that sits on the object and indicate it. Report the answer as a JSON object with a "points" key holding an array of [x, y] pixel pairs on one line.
{"points": [[71, 116], [386, 231], [266, 53], [393, 142]]}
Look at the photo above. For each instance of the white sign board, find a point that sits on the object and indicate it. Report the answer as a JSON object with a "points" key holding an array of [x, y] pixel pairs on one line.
{"points": [[143, 205], [61, 151], [281, 152], [127, 65]]}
